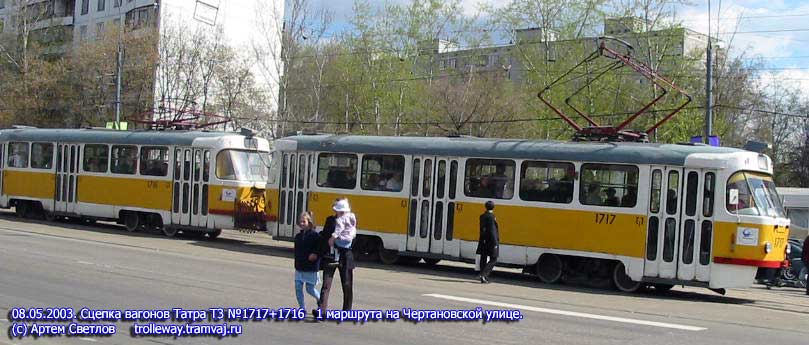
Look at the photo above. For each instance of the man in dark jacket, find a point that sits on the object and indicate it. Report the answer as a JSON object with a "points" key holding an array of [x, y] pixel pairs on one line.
{"points": [[805, 259], [488, 242]]}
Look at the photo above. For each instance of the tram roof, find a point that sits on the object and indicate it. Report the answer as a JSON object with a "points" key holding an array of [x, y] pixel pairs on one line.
{"points": [[107, 136], [636, 153]]}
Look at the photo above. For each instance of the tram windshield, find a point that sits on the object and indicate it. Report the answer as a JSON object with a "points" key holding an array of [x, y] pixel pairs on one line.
{"points": [[242, 165], [753, 194]]}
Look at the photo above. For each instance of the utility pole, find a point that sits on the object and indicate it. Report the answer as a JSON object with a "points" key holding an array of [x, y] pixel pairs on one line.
{"points": [[709, 83], [118, 73]]}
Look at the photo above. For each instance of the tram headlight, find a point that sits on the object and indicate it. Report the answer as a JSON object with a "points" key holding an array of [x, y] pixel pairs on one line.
{"points": [[788, 249], [767, 247]]}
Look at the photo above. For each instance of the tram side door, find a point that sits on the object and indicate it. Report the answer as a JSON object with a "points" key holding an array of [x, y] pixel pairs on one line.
{"points": [[287, 203], [67, 175], [441, 237], [662, 238], [697, 224], [200, 166], [421, 204], [182, 206], [3, 197]]}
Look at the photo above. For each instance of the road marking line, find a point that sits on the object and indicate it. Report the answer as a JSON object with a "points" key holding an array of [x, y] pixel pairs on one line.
{"points": [[570, 313], [89, 339], [3, 320]]}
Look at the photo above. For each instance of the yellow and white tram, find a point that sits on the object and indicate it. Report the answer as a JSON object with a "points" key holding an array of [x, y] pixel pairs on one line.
{"points": [[635, 214], [195, 181]]}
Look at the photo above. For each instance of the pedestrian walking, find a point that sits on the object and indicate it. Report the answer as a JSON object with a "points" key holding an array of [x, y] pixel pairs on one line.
{"points": [[337, 236], [306, 259], [488, 242], [805, 259]]}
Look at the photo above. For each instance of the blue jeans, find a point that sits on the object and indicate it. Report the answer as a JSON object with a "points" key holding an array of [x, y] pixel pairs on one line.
{"points": [[310, 289]]}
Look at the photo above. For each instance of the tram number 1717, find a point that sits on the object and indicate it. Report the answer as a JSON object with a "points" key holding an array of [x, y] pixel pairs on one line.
{"points": [[604, 218]]}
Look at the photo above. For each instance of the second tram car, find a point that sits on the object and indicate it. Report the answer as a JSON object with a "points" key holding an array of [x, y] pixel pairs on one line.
{"points": [[191, 181], [629, 213]]}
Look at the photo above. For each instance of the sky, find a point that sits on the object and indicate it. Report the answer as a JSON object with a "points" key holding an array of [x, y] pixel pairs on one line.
{"points": [[774, 32]]}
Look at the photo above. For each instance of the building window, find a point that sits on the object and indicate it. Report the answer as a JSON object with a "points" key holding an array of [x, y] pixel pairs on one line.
{"points": [[41, 155], [83, 33], [116, 23], [489, 178], [547, 182], [96, 158], [85, 6], [609, 185], [102, 4], [382, 173], [99, 29], [451, 63], [116, 3], [140, 18], [18, 155], [337, 170], [154, 161], [2, 24], [2, 3]]}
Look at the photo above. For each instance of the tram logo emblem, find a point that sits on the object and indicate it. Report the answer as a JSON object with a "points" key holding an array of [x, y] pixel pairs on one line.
{"points": [[746, 236]]}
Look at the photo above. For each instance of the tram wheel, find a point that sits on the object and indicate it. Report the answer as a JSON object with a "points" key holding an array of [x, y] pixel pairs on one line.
{"points": [[132, 221], [431, 261], [622, 280], [549, 268], [170, 231], [153, 222], [21, 209], [388, 257], [214, 234]]}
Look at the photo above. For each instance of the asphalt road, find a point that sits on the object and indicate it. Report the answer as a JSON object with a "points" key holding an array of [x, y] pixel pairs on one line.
{"points": [[104, 267]]}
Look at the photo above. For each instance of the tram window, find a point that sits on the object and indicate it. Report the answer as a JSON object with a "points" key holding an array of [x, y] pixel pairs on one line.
{"points": [[688, 242], [450, 220], [197, 165], [206, 166], [241, 165], [671, 193], [337, 170], [301, 172], [41, 155], [691, 194], [438, 224], [96, 158], [293, 168], [413, 211], [18, 155], [489, 178], [414, 181], [425, 219], [284, 171], [708, 195], [669, 235], [186, 166], [609, 185], [124, 159], [547, 182], [428, 178], [382, 173], [154, 161], [705, 242], [442, 179], [453, 178], [177, 166], [654, 202], [651, 239]]}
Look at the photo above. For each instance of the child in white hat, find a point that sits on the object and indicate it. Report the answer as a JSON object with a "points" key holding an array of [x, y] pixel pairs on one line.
{"points": [[345, 225]]}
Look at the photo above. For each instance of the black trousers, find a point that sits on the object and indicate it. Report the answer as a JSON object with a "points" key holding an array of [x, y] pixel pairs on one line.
{"points": [[346, 270], [487, 262]]}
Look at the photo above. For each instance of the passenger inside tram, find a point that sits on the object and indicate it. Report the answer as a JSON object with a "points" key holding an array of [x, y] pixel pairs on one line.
{"points": [[612, 199], [631, 197], [593, 195]]}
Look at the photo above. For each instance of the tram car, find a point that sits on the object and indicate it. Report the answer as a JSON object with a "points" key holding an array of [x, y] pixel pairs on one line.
{"points": [[176, 180], [632, 214]]}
